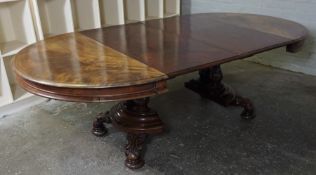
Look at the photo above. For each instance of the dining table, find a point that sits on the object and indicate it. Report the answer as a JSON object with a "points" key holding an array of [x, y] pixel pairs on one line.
{"points": [[133, 62]]}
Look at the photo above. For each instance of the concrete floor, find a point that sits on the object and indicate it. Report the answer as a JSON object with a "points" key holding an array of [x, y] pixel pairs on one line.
{"points": [[202, 137]]}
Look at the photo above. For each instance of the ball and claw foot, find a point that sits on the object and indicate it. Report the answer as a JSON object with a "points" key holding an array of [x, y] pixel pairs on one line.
{"points": [[99, 128]]}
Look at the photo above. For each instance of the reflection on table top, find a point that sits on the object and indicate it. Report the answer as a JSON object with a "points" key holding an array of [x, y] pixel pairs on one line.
{"points": [[151, 51]]}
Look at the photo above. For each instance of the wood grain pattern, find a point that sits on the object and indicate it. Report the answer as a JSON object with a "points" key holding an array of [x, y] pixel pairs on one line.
{"points": [[75, 61], [188, 43], [135, 60]]}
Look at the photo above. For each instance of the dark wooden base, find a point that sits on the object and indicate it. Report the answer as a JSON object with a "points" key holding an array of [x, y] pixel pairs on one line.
{"points": [[99, 128], [136, 119], [210, 86]]}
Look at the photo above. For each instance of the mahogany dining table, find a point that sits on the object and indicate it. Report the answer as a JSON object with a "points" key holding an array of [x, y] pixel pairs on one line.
{"points": [[133, 62]]}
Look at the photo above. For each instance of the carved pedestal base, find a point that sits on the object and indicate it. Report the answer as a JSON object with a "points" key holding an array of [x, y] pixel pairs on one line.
{"points": [[136, 119], [210, 86]]}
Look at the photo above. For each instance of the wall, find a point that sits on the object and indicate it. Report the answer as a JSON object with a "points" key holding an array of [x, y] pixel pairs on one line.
{"points": [[302, 11]]}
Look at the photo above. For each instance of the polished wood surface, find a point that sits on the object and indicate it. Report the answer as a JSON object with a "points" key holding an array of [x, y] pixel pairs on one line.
{"points": [[136, 60], [76, 61], [200, 22], [188, 43]]}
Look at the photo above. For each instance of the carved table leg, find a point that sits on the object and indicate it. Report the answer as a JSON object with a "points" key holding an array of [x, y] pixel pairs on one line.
{"points": [[136, 119], [210, 86], [99, 128], [133, 150]]}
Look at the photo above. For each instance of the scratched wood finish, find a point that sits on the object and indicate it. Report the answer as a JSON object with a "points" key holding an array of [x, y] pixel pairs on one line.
{"points": [[188, 43], [76, 61]]}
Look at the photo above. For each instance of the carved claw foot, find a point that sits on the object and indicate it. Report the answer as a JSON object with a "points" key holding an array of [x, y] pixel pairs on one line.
{"points": [[249, 111], [99, 128], [210, 86], [133, 151]]}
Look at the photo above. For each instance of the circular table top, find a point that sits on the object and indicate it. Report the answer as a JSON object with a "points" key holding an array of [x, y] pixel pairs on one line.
{"points": [[152, 51]]}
